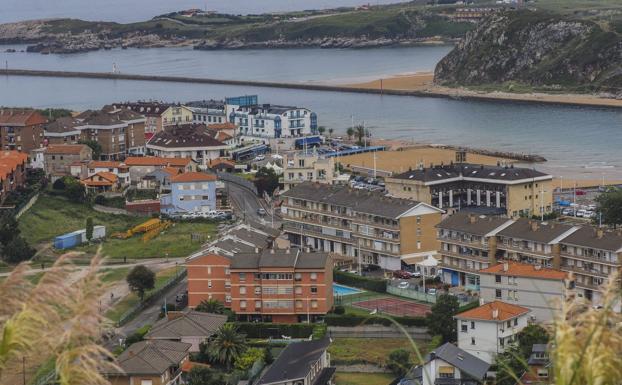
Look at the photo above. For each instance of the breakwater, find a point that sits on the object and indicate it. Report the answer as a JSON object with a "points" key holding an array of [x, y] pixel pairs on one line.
{"points": [[296, 86]]}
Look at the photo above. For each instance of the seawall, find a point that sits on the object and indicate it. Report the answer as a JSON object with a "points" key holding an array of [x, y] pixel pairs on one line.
{"points": [[299, 86]]}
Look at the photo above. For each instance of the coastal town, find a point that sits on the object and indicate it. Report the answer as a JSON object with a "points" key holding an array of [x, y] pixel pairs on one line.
{"points": [[161, 227]]}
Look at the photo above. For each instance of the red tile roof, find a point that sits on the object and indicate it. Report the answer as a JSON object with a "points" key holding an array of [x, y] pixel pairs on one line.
{"points": [[10, 160], [222, 126], [20, 117], [109, 177], [104, 164], [193, 177], [525, 270], [494, 311], [69, 149], [157, 161]]}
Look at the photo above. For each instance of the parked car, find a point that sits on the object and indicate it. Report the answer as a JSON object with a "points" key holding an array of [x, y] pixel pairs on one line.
{"points": [[432, 291], [415, 274], [261, 211], [403, 285], [259, 158], [581, 213], [402, 274], [568, 212]]}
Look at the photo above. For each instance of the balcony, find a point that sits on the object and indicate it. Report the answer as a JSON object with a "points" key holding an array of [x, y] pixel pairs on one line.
{"points": [[592, 257], [459, 241], [584, 271], [473, 257], [458, 266]]}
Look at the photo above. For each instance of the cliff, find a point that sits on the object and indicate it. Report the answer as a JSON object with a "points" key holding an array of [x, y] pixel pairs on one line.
{"points": [[535, 50]]}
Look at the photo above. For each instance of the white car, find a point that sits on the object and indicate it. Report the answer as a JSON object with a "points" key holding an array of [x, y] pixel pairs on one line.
{"points": [[260, 157], [581, 213], [403, 285], [432, 291]]}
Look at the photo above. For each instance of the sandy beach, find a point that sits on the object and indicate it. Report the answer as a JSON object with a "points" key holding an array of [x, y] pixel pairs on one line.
{"points": [[423, 82]]}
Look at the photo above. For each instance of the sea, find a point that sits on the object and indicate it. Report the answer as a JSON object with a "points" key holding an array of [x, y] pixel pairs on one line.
{"points": [[582, 142]]}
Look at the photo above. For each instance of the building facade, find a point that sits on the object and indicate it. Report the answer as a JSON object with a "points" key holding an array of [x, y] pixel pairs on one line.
{"points": [[140, 166], [191, 192], [21, 129], [152, 111], [487, 330], [501, 189], [177, 115], [541, 290], [62, 131], [367, 226], [59, 158], [12, 172], [271, 285], [301, 167]]}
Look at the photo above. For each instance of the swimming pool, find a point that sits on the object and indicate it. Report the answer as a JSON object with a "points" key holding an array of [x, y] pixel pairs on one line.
{"points": [[344, 290]]}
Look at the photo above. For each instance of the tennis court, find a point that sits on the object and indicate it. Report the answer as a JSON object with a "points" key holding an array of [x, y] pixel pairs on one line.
{"points": [[394, 306]]}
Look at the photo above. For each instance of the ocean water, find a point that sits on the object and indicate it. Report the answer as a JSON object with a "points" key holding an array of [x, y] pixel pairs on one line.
{"points": [[582, 141], [125, 11]]}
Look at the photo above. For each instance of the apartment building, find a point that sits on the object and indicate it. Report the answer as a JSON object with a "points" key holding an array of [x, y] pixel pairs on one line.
{"points": [[21, 129], [187, 141], [488, 329], [176, 115], [120, 132], [541, 290], [505, 190], [62, 131], [12, 172], [59, 158], [299, 167], [367, 226], [592, 255], [208, 111], [191, 192], [270, 285], [269, 120], [152, 111], [467, 245]]}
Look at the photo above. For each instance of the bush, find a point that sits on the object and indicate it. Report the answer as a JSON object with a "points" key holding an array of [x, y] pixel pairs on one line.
{"points": [[399, 362], [355, 320], [59, 184], [371, 284], [265, 330], [138, 335], [339, 310]]}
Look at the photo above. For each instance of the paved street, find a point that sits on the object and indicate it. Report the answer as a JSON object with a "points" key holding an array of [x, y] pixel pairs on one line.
{"points": [[245, 204]]}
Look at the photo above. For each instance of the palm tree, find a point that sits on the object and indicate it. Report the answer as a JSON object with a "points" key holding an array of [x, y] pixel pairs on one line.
{"points": [[360, 134], [350, 132], [56, 320], [227, 345], [211, 306], [330, 132]]}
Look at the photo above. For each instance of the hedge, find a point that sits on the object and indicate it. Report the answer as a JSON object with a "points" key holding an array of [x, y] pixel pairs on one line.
{"points": [[265, 330], [371, 284], [468, 306], [356, 320]]}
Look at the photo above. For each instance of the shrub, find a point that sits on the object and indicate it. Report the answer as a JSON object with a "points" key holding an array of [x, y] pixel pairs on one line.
{"points": [[372, 284], [59, 184], [339, 310], [265, 330], [399, 362], [355, 320], [138, 335]]}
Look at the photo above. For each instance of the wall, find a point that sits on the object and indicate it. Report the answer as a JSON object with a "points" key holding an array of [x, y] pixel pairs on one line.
{"points": [[203, 270], [409, 238], [414, 190]]}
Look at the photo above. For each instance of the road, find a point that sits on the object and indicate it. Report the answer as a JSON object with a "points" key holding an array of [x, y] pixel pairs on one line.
{"points": [[245, 205]]}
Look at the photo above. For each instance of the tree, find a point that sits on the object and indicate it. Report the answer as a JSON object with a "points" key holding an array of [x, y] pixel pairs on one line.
{"points": [[610, 206], [321, 130], [227, 346], [248, 358], [17, 250], [89, 228], [330, 132], [74, 190], [8, 228], [211, 306], [530, 335], [268, 357], [59, 184], [512, 363], [440, 320], [141, 279], [399, 362], [360, 133], [266, 180], [350, 132], [203, 375], [95, 146]]}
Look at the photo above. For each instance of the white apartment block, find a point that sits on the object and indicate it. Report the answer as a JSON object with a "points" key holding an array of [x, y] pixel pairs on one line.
{"points": [[302, 167]]}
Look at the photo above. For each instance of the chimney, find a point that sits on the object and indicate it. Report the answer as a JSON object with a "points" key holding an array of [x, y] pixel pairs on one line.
{"points": [[481, 301], [256, 249], [506, 266], [495, 313], [600, 233], [472, 218], [534, 225]]}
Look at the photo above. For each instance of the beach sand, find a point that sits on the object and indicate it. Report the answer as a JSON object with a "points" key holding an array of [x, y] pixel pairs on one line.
{"points": [[423, 82]]}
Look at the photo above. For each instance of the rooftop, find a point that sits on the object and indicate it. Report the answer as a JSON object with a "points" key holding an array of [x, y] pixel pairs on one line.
{"points": [[66, 149], [19, 117], [494, 311], [460, 359], [10, 160], [473, 172], [284, 258], [472, 224], [152, 357], [157, 161], [149, 108], [589, 236], [536, 231], [368, 202], [186, 324], [525, 270], [295, 361], [62, 125], [188, 177], [186, 135]]}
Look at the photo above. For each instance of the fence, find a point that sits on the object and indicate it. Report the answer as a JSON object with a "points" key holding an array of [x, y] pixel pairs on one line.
{"points": [[150, 300], [20, 210], [227, 177], [377, 331], [412, 294]]}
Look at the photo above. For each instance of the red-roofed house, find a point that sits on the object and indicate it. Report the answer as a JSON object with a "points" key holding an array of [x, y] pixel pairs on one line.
{"points": [[21, 129], [101, 182], [191, 192], [12, 171], [141, 166], [120, 169], [488, 329], [540, 289]]}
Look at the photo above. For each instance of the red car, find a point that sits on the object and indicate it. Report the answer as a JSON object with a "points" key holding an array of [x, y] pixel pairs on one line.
{"points": [[402, 274]]}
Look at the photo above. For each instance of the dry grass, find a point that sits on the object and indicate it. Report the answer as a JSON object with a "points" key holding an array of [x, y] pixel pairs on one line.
{"points": [[55, 319]]}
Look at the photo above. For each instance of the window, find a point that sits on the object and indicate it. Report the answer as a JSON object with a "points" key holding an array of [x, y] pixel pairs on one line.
{"points": [[242, 277], [227, 271], [418, 220], [515, 321], [472, 340], [497, 279], [509, 324], [243, 304], [314, 304], [257, 290], [298, 289], [209, 270], [242, 289], [501, 342], [298, 304], [313, 276], [313, 290], [497, 293], [209, 283], [228, 299], [472, 325], [257, 304], [464, 328], [146, 382], [297, 276]]}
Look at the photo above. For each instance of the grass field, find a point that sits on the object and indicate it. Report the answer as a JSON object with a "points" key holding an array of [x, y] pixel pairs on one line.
{"points": [[52, 216], [114, 275], [346, 351], [132, 299], [363, 378]]}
